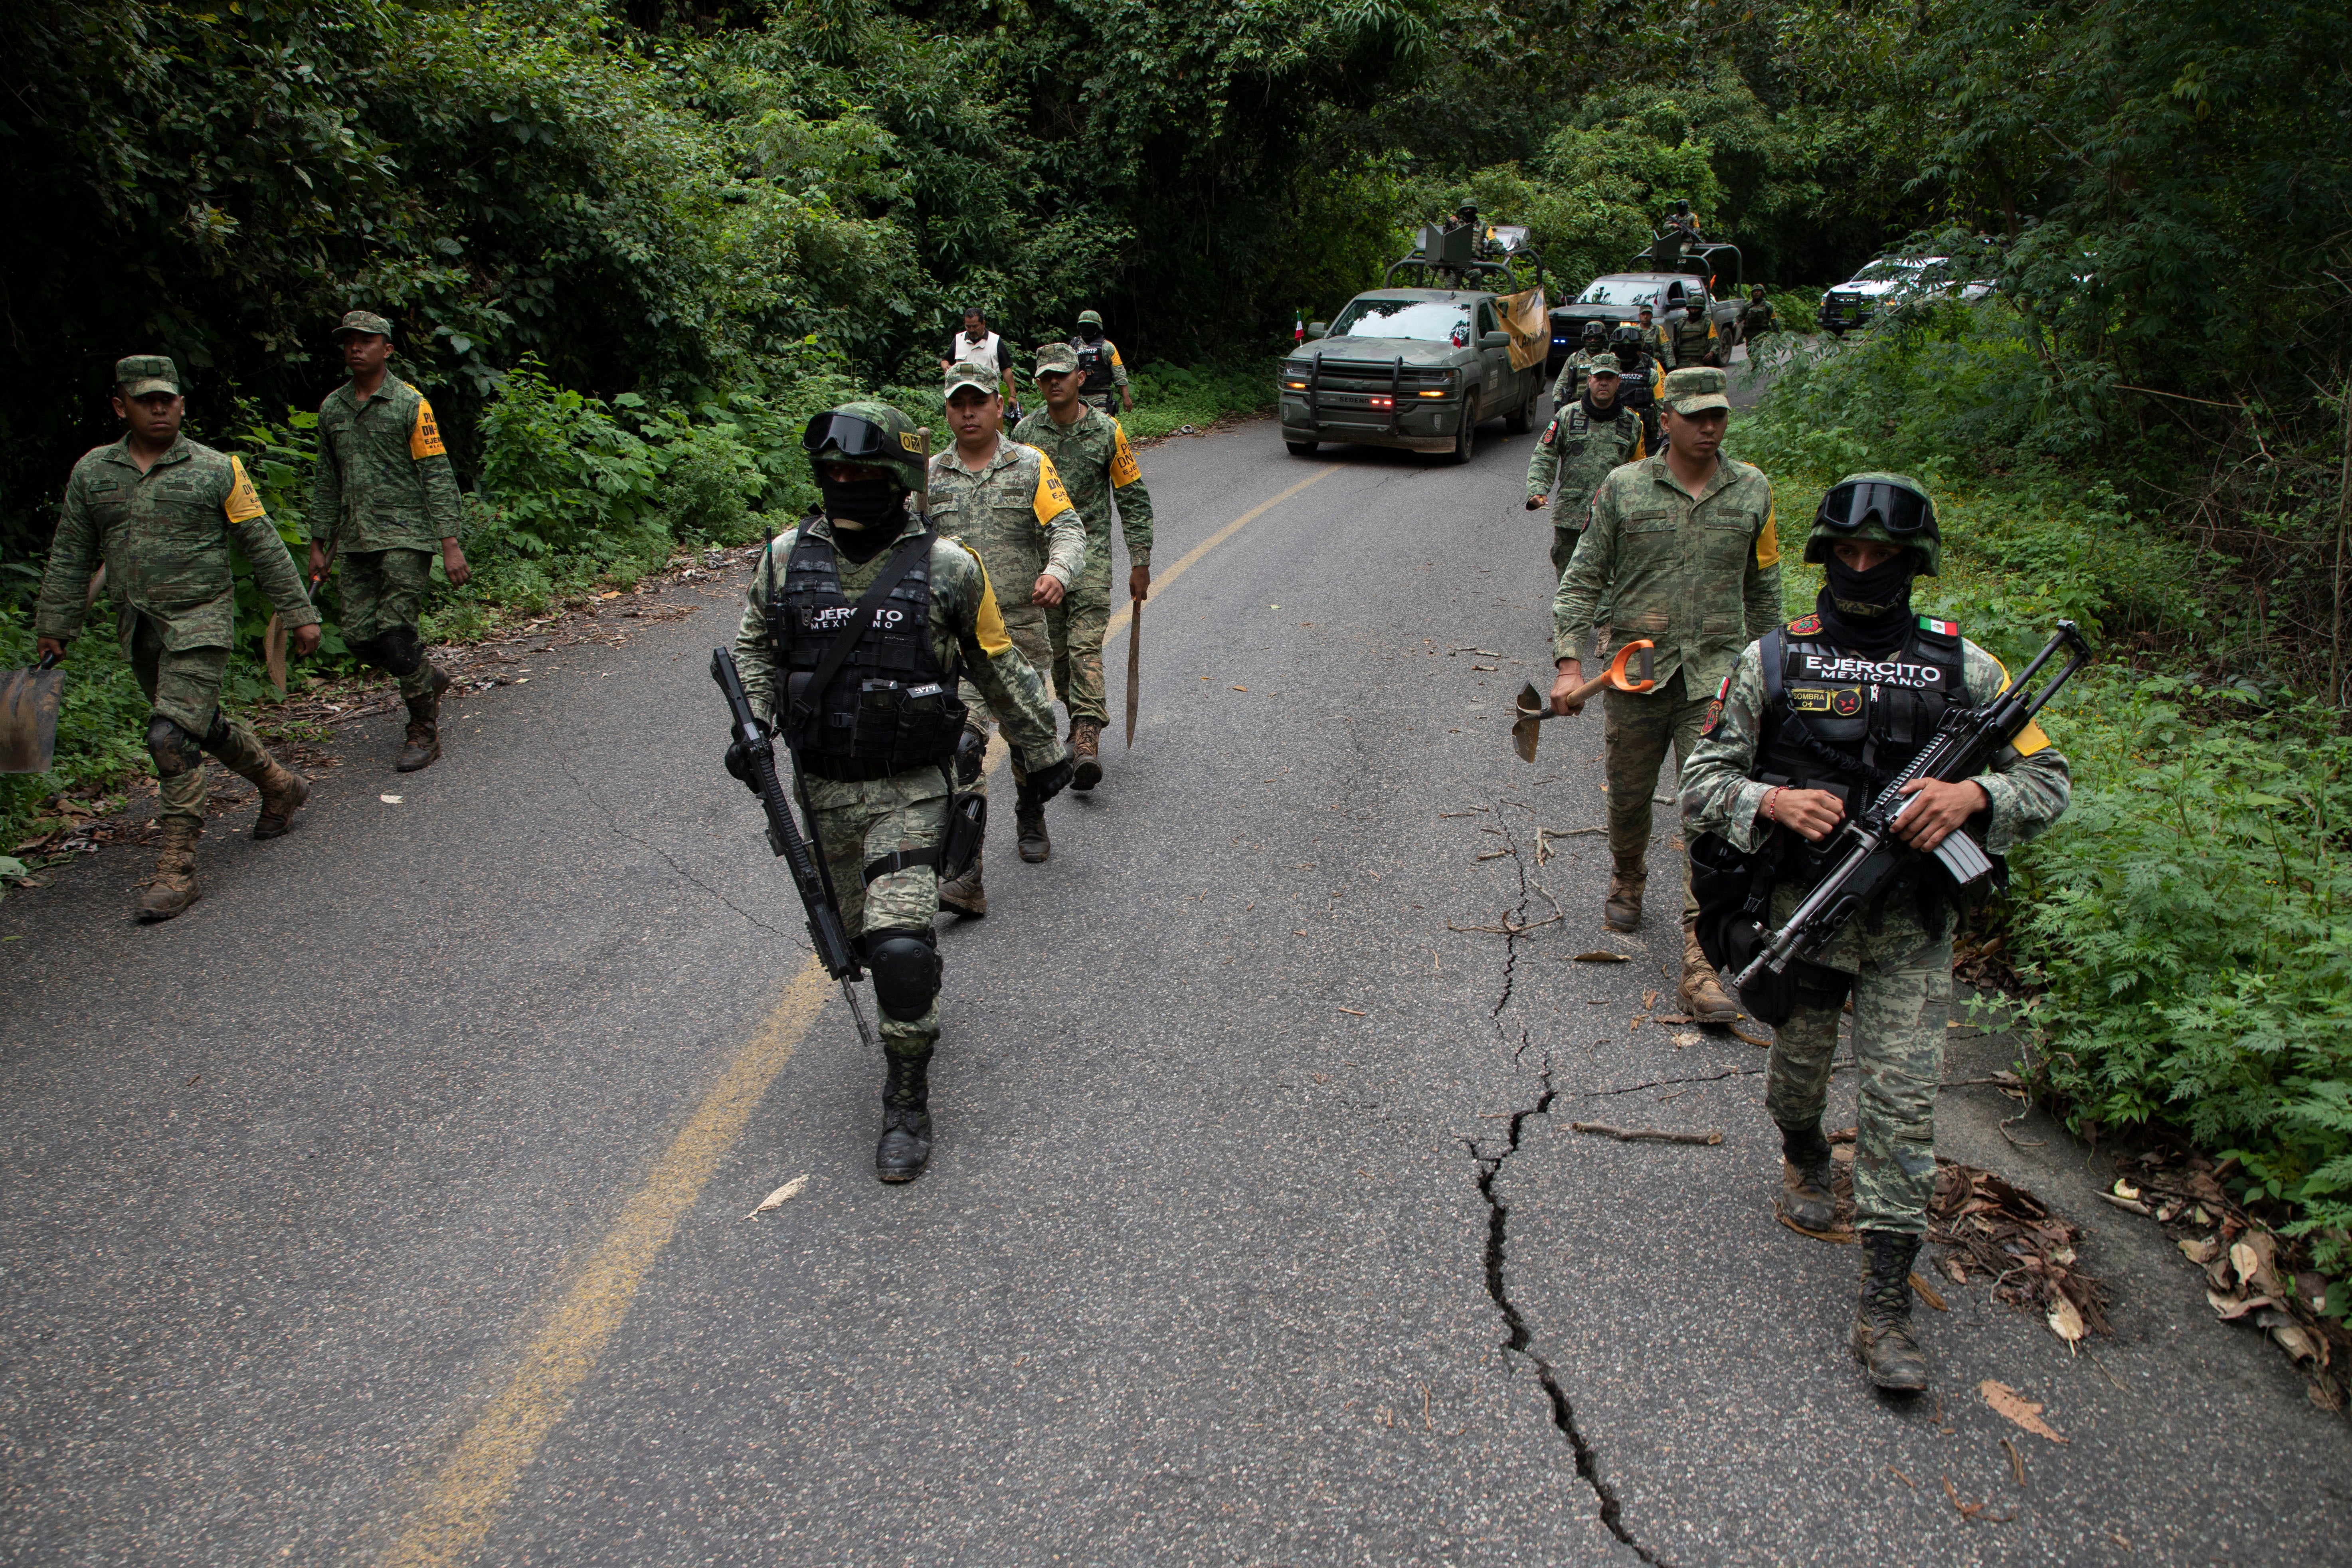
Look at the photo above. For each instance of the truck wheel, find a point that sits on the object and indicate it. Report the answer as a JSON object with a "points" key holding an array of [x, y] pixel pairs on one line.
{"points": [[1300, 449], [1465, 441]]}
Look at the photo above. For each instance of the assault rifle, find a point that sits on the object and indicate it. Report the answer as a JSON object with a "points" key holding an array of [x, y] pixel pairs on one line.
{"points": [[824, 927], [1868, 853]]}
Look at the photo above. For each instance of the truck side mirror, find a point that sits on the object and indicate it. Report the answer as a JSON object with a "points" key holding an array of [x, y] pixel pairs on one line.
{"points": [[1317, 329], [1494, 340]]}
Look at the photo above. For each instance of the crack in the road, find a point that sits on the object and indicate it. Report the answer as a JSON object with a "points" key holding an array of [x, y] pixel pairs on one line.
{"points": [[614, 822], [1520, 1339]]}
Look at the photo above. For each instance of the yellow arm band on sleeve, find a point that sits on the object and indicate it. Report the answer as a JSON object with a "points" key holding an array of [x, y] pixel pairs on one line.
{"points": [[1768, 541], [1123, 471], [425, 436], [2030, 738], [988, 621], [1051, 500], [243, 505], [1115, 359]]}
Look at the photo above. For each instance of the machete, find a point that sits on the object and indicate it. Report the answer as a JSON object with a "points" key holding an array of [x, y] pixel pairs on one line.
{"points": [[1134, 666]]}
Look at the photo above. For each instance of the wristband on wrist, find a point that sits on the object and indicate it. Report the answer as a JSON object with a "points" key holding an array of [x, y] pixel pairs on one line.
{"points": [[1771, 803]]}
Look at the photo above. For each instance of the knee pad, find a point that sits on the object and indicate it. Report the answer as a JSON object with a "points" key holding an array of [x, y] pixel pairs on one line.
{"points": [[906, 966], [174, 749], [397, 650]]}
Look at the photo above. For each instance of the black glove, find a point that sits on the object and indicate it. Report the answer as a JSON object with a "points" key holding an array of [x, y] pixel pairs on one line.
{"points": [[971, 750], [1044, 783], [739, 763]]}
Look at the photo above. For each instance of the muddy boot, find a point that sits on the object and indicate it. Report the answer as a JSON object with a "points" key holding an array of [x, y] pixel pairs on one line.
{"points": [[175, 887], [1807, 1201], [964, 894], [283, 791], [1624, 909], [1029, 824], [1086, 745], [1702, 994], [424, 727], [1882, 1318], [905, 1146]]}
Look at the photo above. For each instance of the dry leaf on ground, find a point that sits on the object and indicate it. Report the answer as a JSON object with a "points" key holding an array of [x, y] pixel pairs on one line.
{"points": [[2015, 1406], [779, 1197], [2065, 1321], [1602, 955]]}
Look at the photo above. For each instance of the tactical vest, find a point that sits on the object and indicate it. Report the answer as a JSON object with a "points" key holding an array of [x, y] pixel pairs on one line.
{"points": [[1849, 722], [890, 705], [1094, 365]]}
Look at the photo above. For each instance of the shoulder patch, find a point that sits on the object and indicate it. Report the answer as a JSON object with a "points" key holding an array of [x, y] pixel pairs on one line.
{"points": [[1051, 500], [1940, 628], [243, 504], [1712, 717], [1768, 541], [1805, 627], [1123, 471], [425, 436]]}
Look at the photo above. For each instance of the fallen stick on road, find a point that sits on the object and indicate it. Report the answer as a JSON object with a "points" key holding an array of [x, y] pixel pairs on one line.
{"points": [[1646, 1134]]}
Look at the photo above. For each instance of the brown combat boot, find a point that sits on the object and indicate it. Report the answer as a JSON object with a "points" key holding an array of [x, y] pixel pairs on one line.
{"points": [[1807, 1200], [1086, 745], [1624, 909], [1029, 829], [964, 894], [174, 887], [1702, 994], [424, 727], [1882, 1339], [283, 794]]}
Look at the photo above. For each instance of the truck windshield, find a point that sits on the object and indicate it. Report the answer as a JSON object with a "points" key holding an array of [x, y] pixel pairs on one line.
{"points": [[1618, 291], [1423, 321]]}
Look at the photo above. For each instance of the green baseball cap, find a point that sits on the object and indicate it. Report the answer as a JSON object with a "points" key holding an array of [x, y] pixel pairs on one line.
{"points": [[1694, 389], [1090, 318], [1056, 359], [1603, 367], [363, 322], [970, 372], [136, 375]]}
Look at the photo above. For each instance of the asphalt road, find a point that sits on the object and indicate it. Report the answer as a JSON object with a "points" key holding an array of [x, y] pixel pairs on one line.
{"points": [[393, 1205]]}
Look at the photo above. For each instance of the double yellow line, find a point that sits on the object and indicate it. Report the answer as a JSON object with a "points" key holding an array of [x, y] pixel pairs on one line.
{"points": [[460, 1502]]}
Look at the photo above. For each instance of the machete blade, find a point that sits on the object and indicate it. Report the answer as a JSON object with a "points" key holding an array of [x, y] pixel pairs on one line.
{"points": [[28, 718], [1523, 737]]}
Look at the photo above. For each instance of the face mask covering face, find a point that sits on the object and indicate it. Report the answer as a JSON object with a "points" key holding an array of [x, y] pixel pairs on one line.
{"points": [[1869, 612]]}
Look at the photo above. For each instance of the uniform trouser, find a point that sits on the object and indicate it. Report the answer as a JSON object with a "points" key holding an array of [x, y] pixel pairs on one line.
{"points": [[909, 812], [1076, 629], [383, 589], [1025, 628], [1106, 401], [1901, 1003], [1636, 732], [183, 686], [1563, 545]]}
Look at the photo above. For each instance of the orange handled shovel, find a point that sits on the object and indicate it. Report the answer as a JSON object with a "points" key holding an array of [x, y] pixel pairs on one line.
{"points": [[1535, 706]]}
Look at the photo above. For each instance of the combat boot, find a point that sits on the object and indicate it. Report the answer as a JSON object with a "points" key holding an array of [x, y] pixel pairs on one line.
{"points": [[1807, 1200], [1881, 1317], [964, 894], [424, 727], [1624, 909], [1702, 992], [1086, 745], [175, 885], [905, 1146], [1029, 828], [283, 791]]}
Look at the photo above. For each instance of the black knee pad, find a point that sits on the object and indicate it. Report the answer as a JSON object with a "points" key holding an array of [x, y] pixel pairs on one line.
{"points": [[906, 965], [174, 749], [397, 650]]}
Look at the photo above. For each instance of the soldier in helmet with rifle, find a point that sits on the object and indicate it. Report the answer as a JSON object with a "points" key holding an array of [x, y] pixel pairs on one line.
{"points": [[859, 623], [1863, 739]]}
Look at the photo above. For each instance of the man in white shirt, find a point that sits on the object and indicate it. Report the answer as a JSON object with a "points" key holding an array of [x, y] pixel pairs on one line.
{"points": [[980, 346]]}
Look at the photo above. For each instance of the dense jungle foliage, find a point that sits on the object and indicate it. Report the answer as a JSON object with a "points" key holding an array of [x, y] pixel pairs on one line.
{"points": [[630, 246]]}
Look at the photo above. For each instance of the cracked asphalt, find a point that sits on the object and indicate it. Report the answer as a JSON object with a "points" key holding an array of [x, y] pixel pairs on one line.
{"points": [[1255, 1233]]}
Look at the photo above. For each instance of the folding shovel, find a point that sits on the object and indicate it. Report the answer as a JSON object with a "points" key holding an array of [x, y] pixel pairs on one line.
{"points": [[1535, 706], [28, 717]]}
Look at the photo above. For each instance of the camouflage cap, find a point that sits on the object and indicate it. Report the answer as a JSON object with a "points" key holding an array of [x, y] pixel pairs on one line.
{"points": [[136, 375], [1090, 318], [970, 372], [363, 322], [1694, 389], [1056, 359], [1603, 367], [1648, 308]]}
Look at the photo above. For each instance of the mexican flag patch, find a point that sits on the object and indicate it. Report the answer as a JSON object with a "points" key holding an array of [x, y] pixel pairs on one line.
{"points": [[1941, 628]]}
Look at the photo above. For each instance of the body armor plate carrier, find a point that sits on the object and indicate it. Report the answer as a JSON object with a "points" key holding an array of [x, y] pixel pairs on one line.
{"points": [[1094, 365]]}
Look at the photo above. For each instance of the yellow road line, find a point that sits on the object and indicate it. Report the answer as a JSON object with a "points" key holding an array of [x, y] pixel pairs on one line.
{"points": [[462, 1501], [1160, 584]]}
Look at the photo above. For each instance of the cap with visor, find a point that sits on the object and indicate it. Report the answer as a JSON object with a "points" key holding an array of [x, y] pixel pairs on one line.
{"points": [[142, 375], [1694, 389], [969, 373], [362, 322], [1056, 359], [1889, 509]]}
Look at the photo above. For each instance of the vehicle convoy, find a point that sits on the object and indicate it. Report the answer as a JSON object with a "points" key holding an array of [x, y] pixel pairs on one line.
{"points": [[1893, 282], [1705, 275], [1420, 368]]}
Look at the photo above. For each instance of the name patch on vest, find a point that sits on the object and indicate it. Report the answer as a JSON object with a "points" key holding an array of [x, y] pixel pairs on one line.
{"points": [[1845, 701], [1894, 672], [832, 617]]}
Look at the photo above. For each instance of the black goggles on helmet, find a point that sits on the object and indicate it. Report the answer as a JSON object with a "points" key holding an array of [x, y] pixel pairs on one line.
{"points": [[1901, 512], [857, 438]]}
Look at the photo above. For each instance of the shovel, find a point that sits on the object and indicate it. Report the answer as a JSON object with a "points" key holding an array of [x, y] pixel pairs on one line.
{"points": [[28, 717], [1535, 706]]}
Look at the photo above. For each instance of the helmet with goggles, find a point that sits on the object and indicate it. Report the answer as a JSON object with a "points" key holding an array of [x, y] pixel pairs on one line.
{"points": [[1888, 509], [873, 434]]}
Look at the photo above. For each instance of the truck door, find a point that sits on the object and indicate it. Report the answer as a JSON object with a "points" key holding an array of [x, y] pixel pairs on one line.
{"points": [[1495, 364]]}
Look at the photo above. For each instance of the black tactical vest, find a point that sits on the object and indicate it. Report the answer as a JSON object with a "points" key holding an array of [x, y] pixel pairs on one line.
{"points": [[1094, 365], [1847, 722], [890, 705]]}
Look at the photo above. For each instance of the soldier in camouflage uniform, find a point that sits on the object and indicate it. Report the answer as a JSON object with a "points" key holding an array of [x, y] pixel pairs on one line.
{"points": [[1656, 341], [878, 812], [1864, 668], [1569, 384], [1103, 372], [1681, 547], [1693, 330], [1756, 318], [1578, 449], [1006, 502], [386, 496], [159, 511], [1089, 450]]}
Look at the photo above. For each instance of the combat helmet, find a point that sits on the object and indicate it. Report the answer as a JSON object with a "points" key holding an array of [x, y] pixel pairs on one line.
{"points": [[872, 434], [1595, 330], [1892, 508]]}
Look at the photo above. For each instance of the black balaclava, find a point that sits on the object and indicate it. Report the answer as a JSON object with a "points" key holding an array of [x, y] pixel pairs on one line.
{"points": [[1868, 612], [1091, 332], [866, 513]]}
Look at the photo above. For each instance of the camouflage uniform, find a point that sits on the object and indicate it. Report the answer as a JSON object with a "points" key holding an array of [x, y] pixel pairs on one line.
{"points": [[1016, 517], [1106, 399], [1575, 453], [1691, 573], [164, 538], [1756, 319], [857, 823], [384, 477], [1694, 335], [1092, 456], [1902, 973], [1569, 384], [1658, 343]]}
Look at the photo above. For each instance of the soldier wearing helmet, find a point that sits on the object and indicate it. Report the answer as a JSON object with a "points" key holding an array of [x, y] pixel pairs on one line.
{"points": [[1816, 716], [1594, 346], [1102, 375], [874, 747], [1642, 375]]}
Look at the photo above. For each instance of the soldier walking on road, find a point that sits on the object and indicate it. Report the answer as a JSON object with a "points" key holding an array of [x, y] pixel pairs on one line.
{"points": [[1756, 318], [1655, 340], [1681, 549], [1815, 715], [159, 511], [982, 347], [877, 795], [1089, 450], [1006, 503], [1638, 384], [1583, 443], [1102, 371], [1594, 346], [385, 494]]}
